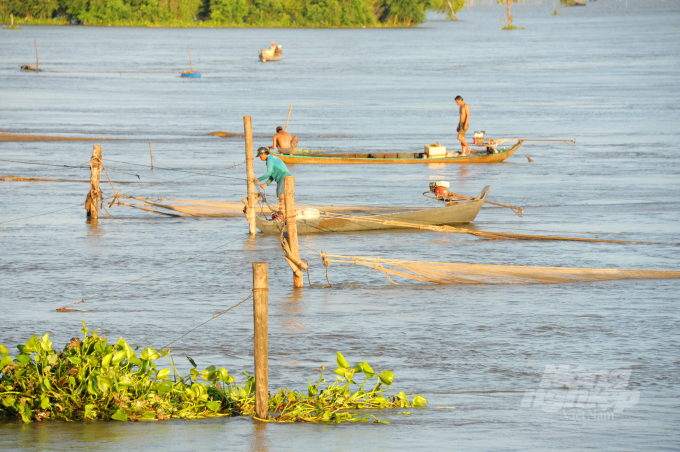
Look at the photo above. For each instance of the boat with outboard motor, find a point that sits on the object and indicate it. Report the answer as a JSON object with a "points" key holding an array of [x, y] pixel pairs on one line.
{"points": [[454, 213], [489, 155]]}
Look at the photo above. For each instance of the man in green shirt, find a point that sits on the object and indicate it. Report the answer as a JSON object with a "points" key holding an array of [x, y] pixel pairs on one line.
{"points": [[276, 170]]}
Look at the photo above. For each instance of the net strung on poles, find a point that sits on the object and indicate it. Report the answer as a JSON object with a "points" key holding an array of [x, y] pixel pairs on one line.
{"points": [[459, 273]]}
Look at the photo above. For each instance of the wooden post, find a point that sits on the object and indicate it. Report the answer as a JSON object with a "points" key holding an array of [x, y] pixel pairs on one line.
{"points": [[151, 154], [11, 19], [94, 196], [190, 64], [250, 174], [291, 223], [261, 340], [37, 63]]}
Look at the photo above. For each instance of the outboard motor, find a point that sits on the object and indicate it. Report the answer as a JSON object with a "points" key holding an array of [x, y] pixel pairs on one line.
{"points": [[440, 188]]}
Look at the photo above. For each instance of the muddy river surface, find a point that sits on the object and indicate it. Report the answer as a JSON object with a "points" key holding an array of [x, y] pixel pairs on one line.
{"points": [[606, 74]]}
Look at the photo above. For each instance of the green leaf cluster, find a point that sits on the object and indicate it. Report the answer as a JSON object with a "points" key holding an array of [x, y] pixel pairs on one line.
{"points": [[256, 13], [90, 379]]}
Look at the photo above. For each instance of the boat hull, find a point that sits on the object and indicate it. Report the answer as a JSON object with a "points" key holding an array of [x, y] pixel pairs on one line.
{"points": [[474, 157], [264, 57], [193, 74], [461, 213]]}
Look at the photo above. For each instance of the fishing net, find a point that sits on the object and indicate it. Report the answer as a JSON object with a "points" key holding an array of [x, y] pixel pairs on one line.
{"points": [[482, 234], [459, 273], [198, 208]]}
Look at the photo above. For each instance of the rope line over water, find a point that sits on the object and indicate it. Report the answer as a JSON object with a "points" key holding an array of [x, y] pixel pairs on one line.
{"points": [[65, 308], [165, 347]]}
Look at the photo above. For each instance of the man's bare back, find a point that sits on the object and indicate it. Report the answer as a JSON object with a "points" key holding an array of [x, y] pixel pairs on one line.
{"points": [[463, 124], [284, 142]]}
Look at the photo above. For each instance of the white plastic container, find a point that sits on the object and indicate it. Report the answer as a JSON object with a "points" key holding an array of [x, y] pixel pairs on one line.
{"points": [[308, 214], [435, 151]]}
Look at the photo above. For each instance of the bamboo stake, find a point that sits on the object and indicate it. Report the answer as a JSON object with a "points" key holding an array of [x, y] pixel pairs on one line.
{"points": [[261, 340], [289, 110], [151, 154], [190, 64], [37, 63], [291, 223], [94, 195], [250, 175]]}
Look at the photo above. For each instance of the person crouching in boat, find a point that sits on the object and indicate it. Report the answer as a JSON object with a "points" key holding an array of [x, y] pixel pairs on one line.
{"points": [[284, 143], [276, 170]]}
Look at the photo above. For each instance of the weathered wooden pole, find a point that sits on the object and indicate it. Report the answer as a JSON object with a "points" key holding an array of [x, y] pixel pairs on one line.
{"points": [[37, 63], [291, 223], [94, 196], [11, 19], [191, 65], [261, 340], [250, 170], [151, 154]]}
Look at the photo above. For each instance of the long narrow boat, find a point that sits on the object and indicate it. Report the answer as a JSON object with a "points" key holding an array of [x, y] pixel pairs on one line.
{"points": [[461, 213], [380, 158]]}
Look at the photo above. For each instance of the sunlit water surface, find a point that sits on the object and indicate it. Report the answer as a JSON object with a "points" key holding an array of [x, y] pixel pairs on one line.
{"points": [[606, 74]]}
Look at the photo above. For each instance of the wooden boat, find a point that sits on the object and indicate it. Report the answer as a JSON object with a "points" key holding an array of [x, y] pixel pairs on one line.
{"points": [[380, 158], [191, 73], [269, 55], [31, 68], [195, 74], [460, 213]]}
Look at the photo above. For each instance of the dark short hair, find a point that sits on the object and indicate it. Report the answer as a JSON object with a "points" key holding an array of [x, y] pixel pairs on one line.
{"points": [[262, 150], [279, 128], [458, 98]]}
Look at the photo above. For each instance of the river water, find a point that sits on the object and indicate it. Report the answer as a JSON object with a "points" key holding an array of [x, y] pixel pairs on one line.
{"points": [[606, 74]]}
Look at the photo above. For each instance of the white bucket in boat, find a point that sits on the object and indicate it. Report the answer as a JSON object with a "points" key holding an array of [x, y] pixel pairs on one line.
{"points": [[308, 214]]}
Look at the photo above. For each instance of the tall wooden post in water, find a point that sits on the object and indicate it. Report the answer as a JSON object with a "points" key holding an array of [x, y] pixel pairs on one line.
{"points": [[261, 340], [291, 223], [250, 173], [94, 196]]}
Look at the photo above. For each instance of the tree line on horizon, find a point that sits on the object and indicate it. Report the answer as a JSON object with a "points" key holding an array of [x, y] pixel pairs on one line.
{"points": [[277, 13]]}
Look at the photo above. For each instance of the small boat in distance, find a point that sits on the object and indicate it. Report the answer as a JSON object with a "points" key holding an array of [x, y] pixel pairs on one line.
{"points": [[272, 54], [35, 68], [489, 155], [191, 73], [457, 213]]}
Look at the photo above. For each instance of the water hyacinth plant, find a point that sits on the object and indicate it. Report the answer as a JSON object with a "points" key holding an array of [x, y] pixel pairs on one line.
{"points": [[90, 379]]}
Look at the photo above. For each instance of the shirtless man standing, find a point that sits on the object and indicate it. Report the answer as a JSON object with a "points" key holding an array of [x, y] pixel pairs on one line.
{"points": [[463, 125], [284, 142]]}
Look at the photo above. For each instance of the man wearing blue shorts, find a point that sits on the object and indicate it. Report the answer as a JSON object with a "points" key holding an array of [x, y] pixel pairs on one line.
{"points": [[276, 170]]}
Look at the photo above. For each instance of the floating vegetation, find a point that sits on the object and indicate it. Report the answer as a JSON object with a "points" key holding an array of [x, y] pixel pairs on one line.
{"points": [[90, 379]]}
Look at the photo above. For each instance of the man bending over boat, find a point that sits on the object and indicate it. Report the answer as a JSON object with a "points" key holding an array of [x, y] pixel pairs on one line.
{"points": [[284, 142], [276, 170], [463, 125]]}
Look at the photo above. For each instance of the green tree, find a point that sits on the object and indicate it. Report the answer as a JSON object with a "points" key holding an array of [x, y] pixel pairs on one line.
{"points": [[509, 26], [229, 11], [39, 9], [448, 7], [407, 12]]}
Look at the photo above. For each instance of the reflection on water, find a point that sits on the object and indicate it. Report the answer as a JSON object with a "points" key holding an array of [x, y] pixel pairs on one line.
{"points": [[259, 439], [293, 304], [94, 230]]}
